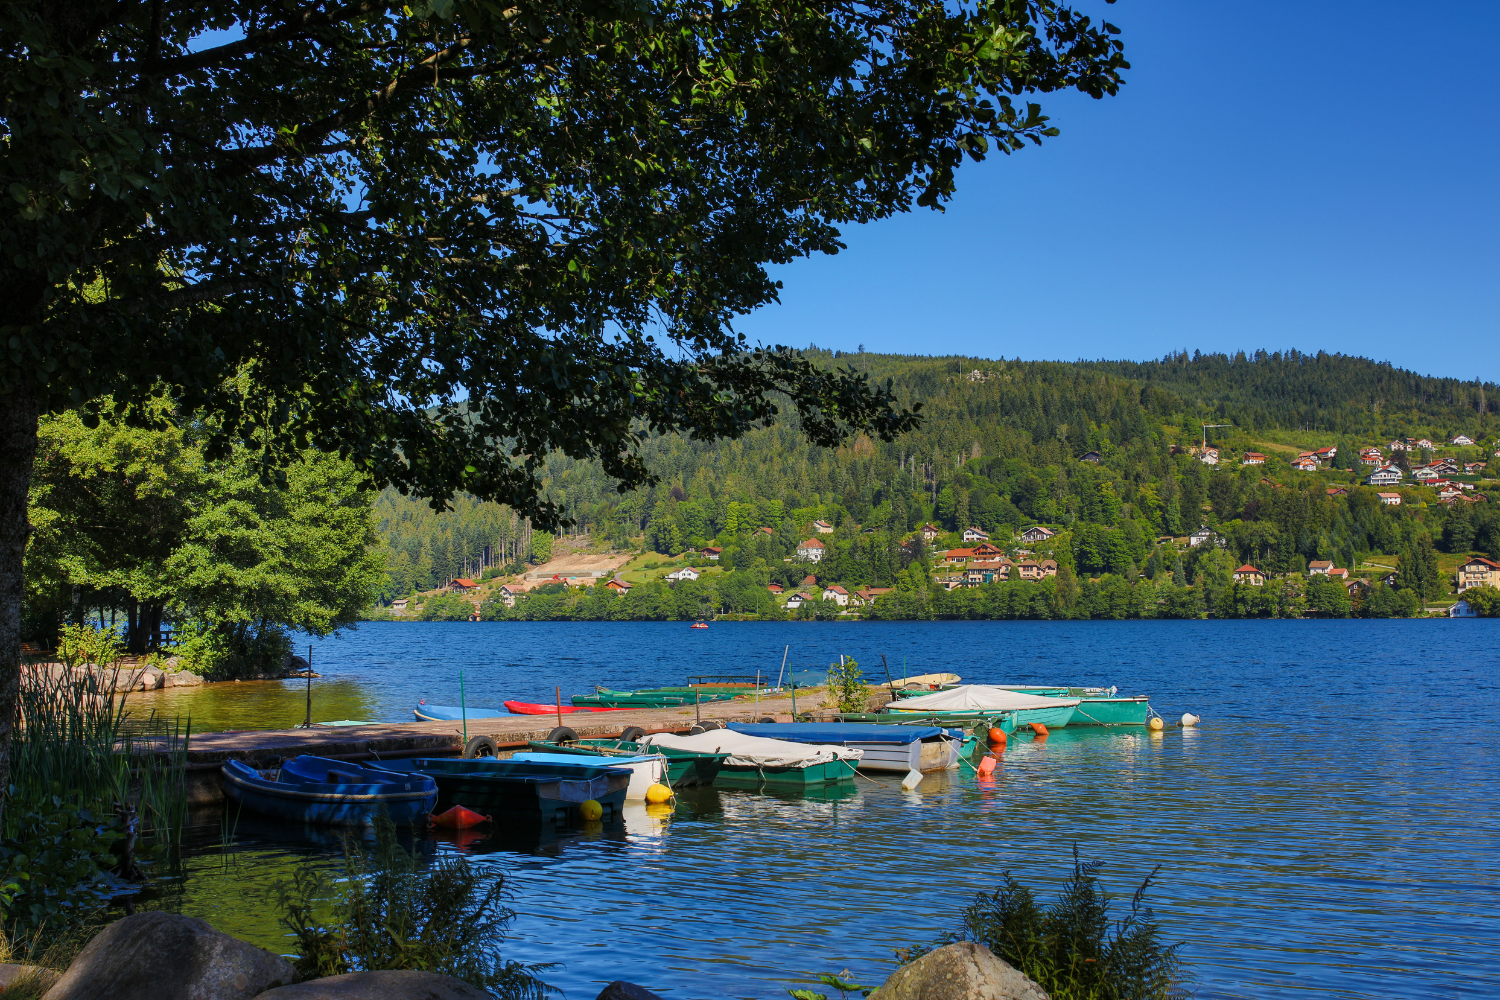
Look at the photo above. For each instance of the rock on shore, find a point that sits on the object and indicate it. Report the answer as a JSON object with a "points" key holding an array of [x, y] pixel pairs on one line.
{"points": [[389, 985], [164, 956], [962, 971]]}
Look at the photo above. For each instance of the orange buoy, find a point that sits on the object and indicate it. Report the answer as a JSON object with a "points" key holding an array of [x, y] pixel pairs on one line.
{"points": [[1040, 730], [459, 818], [997, 737], [987, 765]]}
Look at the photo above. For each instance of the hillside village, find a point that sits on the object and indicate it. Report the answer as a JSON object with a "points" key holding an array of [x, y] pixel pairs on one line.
{"points": [[819, 567]]}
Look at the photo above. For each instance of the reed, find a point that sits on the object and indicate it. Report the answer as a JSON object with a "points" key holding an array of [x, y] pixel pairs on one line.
{"points": [[73, 732]]}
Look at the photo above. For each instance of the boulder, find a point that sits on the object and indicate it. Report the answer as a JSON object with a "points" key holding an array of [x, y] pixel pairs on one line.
{"points": [[391, 985], [26, 975], [150, 679], [619, 990], [962, 971], [164, 956], [183, 678], [293, 665]]}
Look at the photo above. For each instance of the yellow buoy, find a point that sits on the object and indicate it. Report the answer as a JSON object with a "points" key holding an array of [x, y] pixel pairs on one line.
{"points": [[658, 793], [590, 810], [1155, 723]]}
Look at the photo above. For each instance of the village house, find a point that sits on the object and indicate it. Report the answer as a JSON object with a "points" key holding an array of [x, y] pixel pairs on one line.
{"points": [[1370, 456], [1337, 491], [686, 573], [1210, 456], [1463, 441], [1473, 468], [508, 594], [460, 585], [399, 605], [1308, 464], [1389, 580], [1462, 609], [872, 594], [1252, 458], [1250, 575], [930, 532], [1338, 573], [796, 601], [1273, 484], [822, 528], [775, 588], [808, 581], [1449, 493], [954, 556], [1425, 474], [1478, 572], [712, 553], [1396, 445], [1390, 499], [811, 550], [1388, 475], [975, 535], [836, 594], [1421, 443], [1327, 455], [763, 530], [1031, 570], [1036, 533], [1092, 456], [619, 586], [1319, 567], [1202, 535]]}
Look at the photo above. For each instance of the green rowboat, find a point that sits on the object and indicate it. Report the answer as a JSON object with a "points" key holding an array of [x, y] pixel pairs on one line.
{"points": [[684, 767]]}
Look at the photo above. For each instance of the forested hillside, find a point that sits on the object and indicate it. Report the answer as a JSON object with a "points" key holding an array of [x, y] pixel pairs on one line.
{"points": [[1000, 447]]}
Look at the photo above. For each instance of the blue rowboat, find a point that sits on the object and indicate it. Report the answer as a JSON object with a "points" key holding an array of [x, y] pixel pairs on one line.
{"points": [[452, 713], [645, 769], [330, 792], [520, 787], [886, 748]]}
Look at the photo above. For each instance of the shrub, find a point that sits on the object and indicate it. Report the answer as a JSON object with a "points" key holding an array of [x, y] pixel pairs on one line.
{"points": [[845, 689], [392, 912], [1072, 948], [447, 608], [53, 868], [231, 650]]}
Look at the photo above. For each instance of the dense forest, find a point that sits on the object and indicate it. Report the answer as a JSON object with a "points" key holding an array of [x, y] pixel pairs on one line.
{"points": [[1001, 447]]}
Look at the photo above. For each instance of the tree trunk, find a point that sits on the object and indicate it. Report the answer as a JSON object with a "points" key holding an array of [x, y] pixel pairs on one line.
{"points": [[18, 416], [133, 644]]}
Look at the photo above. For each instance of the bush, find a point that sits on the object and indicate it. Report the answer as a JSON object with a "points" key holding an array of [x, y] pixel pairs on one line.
{"points": [[231, 650], [1072, 948], [447, 608], [53, 868], [391, 912], [845, 689]]}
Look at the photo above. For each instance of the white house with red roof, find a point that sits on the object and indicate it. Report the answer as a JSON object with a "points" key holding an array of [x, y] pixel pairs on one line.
{"points": [[837, 594], [811, 550], [1250, 575]]}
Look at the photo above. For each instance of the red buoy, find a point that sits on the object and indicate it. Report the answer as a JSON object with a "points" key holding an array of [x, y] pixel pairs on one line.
{"points": [[459, 818], [1040, 730], [987, 765], [997, 737]]}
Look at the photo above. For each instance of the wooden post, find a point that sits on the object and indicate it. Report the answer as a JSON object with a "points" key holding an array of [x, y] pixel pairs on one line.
{"points": [[308, 724], [558, 689], [463, 706]]}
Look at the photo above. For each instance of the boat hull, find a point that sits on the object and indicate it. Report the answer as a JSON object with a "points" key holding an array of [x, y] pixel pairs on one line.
{"points": [[530, 708], [520, 788], [643, 773], [685, 768], [1112, 712], [819, 775], [324, 805], [1053, 718]]}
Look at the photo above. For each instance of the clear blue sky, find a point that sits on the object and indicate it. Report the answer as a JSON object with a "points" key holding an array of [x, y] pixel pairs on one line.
{"points": [[1309, 175]]}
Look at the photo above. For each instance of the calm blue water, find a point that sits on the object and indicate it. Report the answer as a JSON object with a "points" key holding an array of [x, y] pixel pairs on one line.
{"points": [[1330, 830]]}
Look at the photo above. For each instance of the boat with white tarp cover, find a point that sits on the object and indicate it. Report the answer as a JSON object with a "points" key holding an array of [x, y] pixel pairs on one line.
{"points": [[1024, 709], [758, 762]]}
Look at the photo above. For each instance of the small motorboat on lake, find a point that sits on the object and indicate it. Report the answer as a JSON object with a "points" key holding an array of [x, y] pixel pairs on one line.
{"points": [[521, 787], [530, 708], [699, 625], [666, 697], [756, 762], [645, 769], [884, 747], [451, 713], [684, 767], [326, 792], [1021, 709], [1096, 706]]}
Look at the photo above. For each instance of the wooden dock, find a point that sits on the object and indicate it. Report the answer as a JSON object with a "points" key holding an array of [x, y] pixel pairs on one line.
{"points": [[268, 748]]}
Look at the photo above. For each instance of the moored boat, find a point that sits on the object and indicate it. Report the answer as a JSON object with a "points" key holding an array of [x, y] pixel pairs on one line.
{"points": [[1023, 709], [684, 767], [756, 762], [1096, 706], [451, 713], [883, 747], [524, 788], [645, 769], [655, 697], [326, 792], [531, 708]]}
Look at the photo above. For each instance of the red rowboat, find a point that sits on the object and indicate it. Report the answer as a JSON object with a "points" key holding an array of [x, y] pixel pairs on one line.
{"points": [[529, 708]]}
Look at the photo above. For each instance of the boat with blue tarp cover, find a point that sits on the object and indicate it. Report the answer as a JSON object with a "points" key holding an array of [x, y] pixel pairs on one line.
{"points": [[886, 747], [522, 787], [645, 769], [327, 792]]}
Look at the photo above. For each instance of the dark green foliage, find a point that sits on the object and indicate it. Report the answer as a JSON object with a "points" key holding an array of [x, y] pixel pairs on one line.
{"points": [[54, 867], [1484, 600], [397, 910], [1072, 947], [447, 608]]}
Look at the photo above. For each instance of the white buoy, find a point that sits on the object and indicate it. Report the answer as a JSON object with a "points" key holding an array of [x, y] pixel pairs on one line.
{"points": [[1189, 720], [912, 780]]}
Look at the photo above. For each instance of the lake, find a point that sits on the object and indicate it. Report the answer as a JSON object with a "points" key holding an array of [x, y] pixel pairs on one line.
{"points": [[1329, 830]]}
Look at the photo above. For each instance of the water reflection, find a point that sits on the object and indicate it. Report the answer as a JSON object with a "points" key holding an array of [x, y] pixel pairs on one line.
{"points": [[255, 704]]}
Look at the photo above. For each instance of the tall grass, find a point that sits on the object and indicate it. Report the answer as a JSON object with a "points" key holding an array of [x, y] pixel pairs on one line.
{"points": [[74, 733]]}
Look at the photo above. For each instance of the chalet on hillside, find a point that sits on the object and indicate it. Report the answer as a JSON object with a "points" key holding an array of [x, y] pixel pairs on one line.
{"points": [[399, 605], [1308, 464], [808, 581], [958, 555], [811, 550], [775, 588], [976, 535], [1252, 458], [1250, 575], [822, 528], [1478, 572], [1037, 533], [1203, 534], [1387, 475], [837, 595], [763, 530], [1463, 441], [1390, 499], [619, 586], [930, 532], [1326, 455], [796, 601], [686, 573], [459, 585], [1319, 567], [1421, 443], [1210, 456], [1337, 491], [1092, 456], [712, 553], [870, 594]]}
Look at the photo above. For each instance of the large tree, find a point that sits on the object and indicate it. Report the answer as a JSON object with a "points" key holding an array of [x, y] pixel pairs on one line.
{"points": [[446, 239]]}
